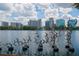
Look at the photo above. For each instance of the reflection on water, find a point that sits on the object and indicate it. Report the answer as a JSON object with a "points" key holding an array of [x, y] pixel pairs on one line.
{"points": [[33, 43]]}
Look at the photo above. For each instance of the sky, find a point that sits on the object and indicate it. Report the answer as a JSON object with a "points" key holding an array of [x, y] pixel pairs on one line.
{"points": [[15, 11]]}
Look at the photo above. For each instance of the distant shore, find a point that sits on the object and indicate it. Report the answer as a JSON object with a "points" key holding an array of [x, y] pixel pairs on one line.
{"points": [[35, 28]]}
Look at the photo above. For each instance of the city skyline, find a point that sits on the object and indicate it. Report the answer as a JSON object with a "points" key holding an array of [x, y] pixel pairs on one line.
{"points": [[39, 23], [25, 11]]}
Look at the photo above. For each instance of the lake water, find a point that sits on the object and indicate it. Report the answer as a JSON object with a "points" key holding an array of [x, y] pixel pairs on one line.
{"points": [[32, 38]]}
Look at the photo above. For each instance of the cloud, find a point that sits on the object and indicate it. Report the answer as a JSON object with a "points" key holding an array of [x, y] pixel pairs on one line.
{"points": [[42, 5], [57, 10], [51, 13], [67, 16], [26, 10], [4, 10], [57, 13], [40, 9], [34, 10], [17, 10], [65, 10], [64, 5], [4, 7]]}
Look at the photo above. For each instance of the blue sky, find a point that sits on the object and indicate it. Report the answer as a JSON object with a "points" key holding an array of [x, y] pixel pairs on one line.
{"points": [[31, 10], [40, 11], [74, 12]]}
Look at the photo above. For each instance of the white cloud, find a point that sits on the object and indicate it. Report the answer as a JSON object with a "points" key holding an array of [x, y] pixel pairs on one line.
{"points": [[18, 10], [55, 10], [27, 10], [64, 5], [67, 16], [65, 10], [51, 13]]}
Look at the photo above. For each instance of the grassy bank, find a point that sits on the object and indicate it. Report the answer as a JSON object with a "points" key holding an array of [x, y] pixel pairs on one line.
{"points": [[18, 28], [62, 28], [34, 28]]}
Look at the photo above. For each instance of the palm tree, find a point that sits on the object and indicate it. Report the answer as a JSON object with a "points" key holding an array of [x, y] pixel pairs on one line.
{"points": [[76, 5]]}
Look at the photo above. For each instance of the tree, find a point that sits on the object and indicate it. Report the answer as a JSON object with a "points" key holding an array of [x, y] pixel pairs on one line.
{"points": [[76, 5]]}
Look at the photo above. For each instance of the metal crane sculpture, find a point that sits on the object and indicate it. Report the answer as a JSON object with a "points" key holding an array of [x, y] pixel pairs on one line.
{"points": [[40, 48], [54, 35], [71, 24], [25, 46], [10, 48], [0, 48]]}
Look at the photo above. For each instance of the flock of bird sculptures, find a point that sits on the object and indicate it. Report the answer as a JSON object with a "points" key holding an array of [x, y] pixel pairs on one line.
{"points": [[40, 42], [25, 43]]}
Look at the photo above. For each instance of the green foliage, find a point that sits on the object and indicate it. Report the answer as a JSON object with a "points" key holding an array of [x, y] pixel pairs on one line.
{"points": [[18, 28], [76, 5], [35, 28]]}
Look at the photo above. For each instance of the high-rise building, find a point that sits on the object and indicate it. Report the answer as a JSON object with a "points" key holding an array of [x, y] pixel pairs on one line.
{"points": [[72, 22], [3, 23], [49, 23], [15, 24], [60, 22], [35, 23]]}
